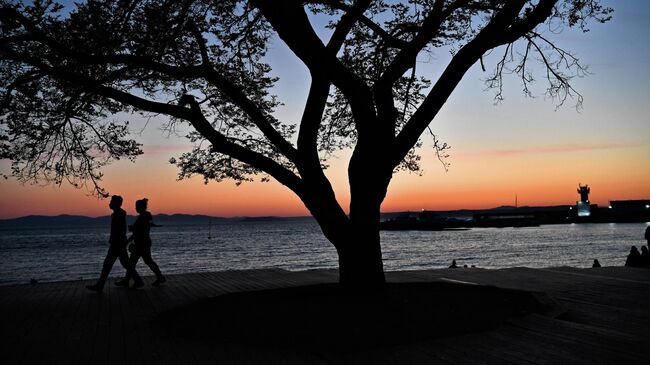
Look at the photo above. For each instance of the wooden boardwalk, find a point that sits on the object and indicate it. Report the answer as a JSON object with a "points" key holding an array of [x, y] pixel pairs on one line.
{"points": [[607, 320]]}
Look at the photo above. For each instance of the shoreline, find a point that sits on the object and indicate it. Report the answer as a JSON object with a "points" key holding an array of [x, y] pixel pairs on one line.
{"points": [[333, 270]]}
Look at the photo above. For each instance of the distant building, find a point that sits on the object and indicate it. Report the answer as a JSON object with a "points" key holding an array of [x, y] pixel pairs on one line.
{"points": [[629, 210], [630, 205]]}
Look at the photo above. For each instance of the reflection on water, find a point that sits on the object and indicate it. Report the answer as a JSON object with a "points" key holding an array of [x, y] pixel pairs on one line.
{"points": [[73, 253]]}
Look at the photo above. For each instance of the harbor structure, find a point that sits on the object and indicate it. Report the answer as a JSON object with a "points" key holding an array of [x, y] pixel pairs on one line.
{"points": [[618, 211], [583, 207]]}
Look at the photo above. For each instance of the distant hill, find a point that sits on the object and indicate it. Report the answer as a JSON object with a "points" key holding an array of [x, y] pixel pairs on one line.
{"points": [[195, 219], [78, 220], [262, 219], [47, 221], [184, 219], [65, 220]]}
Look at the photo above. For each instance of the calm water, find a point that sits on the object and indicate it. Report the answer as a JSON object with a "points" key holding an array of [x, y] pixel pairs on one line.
{"points": [[71, 253]]}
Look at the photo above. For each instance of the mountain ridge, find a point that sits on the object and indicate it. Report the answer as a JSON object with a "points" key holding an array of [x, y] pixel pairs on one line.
{"points": [[183, 218], [161, 219]]}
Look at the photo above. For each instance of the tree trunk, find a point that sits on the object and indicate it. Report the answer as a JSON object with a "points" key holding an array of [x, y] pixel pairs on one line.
{"points": [[360, 261], [356, 238], [356, 241]]}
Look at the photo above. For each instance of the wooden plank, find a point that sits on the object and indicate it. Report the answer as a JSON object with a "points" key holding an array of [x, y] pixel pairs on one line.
{"points": [[116, 352], [133, 344], [566, 349], [99, 315], [599, 344], [81, 329], [148, 340], [497, 346], [16, 318], [523, 346], [616, 272], [41, 323], [167, 351], [622, 320], [60, 323]]}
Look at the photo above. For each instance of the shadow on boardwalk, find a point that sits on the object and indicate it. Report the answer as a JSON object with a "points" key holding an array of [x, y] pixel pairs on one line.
{"points": [[323, 317], [607, 320]]}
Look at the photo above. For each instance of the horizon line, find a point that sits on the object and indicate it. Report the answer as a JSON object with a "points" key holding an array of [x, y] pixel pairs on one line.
{"points": [[296, 216]]}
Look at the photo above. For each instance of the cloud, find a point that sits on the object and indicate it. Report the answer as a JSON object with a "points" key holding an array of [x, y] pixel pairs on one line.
{"points": [[566, 148]]}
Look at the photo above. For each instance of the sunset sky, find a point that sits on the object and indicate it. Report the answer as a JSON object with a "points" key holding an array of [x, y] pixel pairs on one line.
{"points": [[522, 147]]}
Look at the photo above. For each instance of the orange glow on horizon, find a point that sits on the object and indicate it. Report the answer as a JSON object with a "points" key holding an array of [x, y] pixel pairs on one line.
{"points": [[473, 182]]}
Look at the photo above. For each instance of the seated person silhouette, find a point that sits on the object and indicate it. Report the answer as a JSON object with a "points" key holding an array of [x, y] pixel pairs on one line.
{"points": [[596, 263], [634, 258]]}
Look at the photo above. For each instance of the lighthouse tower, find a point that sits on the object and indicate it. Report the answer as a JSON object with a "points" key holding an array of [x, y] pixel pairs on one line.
{"points": [[583, 206]]}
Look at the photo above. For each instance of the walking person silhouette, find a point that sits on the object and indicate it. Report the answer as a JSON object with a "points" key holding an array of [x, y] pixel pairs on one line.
{"points": [[141, 247], [117, 245]]}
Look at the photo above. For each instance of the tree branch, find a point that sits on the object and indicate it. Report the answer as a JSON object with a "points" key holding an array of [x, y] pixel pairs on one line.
{"points": [[206, 71], [405, 59], [345, 25], [193, 115], [311, 121], [221, 144], [239, 98], [353, 14], [407, 56], [290, 21], [494, 34]]}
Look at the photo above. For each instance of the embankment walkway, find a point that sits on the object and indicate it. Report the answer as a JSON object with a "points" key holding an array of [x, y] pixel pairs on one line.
{"points": [[607, 320]]}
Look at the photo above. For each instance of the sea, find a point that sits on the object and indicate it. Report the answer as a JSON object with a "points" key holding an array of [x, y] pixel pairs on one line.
{"points": [[77, 252]]}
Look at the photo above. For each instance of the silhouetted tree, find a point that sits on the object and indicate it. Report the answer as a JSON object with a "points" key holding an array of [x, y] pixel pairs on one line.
{"points": [[66, 72]]}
